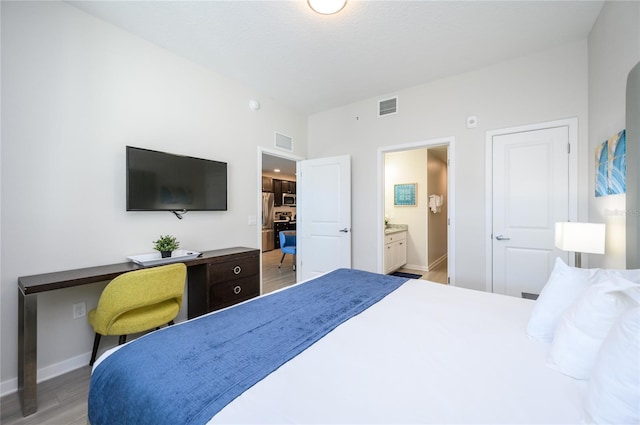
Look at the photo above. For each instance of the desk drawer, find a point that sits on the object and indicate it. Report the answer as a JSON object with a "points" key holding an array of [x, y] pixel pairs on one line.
{"points": [[224, 294], [232, 270]]}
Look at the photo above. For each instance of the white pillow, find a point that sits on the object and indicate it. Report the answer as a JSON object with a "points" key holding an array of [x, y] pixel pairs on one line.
{"points": [[584, 327], [613, 394], [632, 275], [563, 288]]}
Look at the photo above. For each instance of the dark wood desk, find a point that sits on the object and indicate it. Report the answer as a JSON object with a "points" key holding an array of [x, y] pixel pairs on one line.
{"points": [[200, 272]]}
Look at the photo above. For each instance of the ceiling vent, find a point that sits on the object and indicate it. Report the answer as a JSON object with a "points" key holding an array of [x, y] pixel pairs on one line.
{"points": [[284, 142], [387, 107]]}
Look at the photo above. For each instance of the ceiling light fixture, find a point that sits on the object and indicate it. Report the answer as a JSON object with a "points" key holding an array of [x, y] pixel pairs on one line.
{"points": [[327, 7]]}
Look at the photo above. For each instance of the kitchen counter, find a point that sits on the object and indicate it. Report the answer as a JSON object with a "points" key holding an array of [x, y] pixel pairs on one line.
{"points": [[395, 228]]}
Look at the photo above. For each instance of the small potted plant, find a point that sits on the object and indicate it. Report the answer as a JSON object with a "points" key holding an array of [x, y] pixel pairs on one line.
{"points": [[166, 245]]}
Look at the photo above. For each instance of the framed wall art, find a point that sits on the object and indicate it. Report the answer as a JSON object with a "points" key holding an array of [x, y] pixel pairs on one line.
{"points": [[611, 165], [404, 195]]}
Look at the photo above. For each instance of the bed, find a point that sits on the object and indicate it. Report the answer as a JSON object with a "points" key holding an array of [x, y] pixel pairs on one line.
{"points": [[414, 352]]}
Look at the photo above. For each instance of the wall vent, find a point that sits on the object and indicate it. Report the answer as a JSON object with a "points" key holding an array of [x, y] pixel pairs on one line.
{"points": [[283, 142], [387, 106]]}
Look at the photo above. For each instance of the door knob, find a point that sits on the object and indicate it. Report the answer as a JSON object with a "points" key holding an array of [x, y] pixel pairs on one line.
{"points": [[502, 238], [345, 230]]}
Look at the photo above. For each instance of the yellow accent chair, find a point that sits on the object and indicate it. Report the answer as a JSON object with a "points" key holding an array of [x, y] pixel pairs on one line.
{"points": [[138, 301]]}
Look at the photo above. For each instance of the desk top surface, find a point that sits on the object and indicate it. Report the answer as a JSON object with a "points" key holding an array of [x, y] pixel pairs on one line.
{"points": [[68, 278]]}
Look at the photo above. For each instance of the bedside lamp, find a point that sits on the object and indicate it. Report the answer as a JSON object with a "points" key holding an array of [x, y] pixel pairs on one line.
{"points": [[580, 237]]}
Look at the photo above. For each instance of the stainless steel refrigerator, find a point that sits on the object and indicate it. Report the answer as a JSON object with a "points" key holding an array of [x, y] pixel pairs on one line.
{"points": [[267, 221]]}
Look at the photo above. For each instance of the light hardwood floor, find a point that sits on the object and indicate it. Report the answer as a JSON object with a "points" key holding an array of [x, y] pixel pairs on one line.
{"points": [[439, 274], [63, 400], [274, 277]]}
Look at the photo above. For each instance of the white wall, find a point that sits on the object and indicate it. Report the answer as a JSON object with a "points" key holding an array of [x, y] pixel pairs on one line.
{"points": [[614, 48], [437, 222], [409, 167], [75, 91], [541, 87]]}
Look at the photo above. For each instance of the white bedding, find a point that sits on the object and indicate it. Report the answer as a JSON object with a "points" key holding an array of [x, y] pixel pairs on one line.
{"points": [[427, 353]]}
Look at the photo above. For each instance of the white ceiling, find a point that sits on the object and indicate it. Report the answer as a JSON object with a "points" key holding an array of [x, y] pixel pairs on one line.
{"points": [[286, 166], [310, 62]]}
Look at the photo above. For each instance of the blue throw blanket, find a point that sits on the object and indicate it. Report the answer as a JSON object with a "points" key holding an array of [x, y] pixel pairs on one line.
{"points": [[186, 374]]}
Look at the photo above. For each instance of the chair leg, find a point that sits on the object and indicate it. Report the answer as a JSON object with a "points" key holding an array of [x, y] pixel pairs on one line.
{"points": [[168, 324], [94, 353], [281, 260], [122, 339]]}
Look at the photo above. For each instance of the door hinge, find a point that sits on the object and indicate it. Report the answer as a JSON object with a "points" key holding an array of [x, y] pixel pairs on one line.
{"points": [[448, 280], [448, 222], [569, 148]]}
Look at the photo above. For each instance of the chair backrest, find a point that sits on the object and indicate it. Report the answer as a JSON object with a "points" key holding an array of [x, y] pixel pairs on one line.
{"points": [[287, 238], [139, 288]]}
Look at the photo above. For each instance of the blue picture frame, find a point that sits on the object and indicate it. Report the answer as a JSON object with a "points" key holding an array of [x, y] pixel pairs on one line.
{"points": [[404, 195]]}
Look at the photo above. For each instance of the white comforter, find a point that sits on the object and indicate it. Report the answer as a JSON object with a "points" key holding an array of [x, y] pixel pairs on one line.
{"points": [[427, 353]]}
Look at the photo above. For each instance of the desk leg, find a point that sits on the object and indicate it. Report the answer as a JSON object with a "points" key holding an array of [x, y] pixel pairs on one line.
{"points": [[27, 352]]}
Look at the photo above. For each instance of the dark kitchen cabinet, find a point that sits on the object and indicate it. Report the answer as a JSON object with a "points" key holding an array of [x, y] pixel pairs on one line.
{"points": [[277, 193], [288, 187], [267, 184], [280, 187], [279, 227]]}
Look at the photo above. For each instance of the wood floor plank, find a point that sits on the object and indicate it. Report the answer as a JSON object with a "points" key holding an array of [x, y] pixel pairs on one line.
{"points": [[274, 277], [61, 401]]}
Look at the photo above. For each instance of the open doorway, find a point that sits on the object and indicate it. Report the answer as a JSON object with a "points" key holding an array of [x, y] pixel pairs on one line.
{"points": [[416, 188], [278, 215]]}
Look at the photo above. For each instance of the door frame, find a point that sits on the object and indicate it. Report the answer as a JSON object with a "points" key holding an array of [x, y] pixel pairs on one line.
{"points": [[279, 154], [572, 124], [445, 141]]}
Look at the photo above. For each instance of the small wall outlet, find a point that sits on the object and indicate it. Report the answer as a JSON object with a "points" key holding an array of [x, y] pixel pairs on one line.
{"points": [[79, 310]]}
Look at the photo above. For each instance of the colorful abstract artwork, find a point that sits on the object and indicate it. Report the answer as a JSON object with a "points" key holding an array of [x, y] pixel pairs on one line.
{"points": [[611, 166], [404, 195]]}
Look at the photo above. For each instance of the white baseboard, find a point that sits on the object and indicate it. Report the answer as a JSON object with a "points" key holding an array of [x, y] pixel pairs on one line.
{"points": [[414, 267], [11, 385]]}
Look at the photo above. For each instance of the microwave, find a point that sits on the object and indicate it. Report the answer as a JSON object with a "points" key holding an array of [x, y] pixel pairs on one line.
{"points": [[289, 199]]}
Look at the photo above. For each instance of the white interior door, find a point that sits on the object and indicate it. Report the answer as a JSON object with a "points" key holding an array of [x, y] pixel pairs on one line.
{"points": [[323, 215], [530, 194]]}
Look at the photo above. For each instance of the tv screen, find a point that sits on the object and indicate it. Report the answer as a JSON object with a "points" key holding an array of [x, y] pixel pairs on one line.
{"points": [[160, 181]]}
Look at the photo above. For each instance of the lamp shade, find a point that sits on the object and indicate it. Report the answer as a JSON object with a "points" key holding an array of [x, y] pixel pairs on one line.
{"points": [[580, 237]]}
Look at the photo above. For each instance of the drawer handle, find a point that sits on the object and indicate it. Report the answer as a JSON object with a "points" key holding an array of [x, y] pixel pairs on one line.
{"points": [[237, 269], [237, 290]]}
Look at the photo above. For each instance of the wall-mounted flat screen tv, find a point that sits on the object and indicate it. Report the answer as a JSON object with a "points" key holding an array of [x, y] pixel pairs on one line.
{"points": [[160, 181]]}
